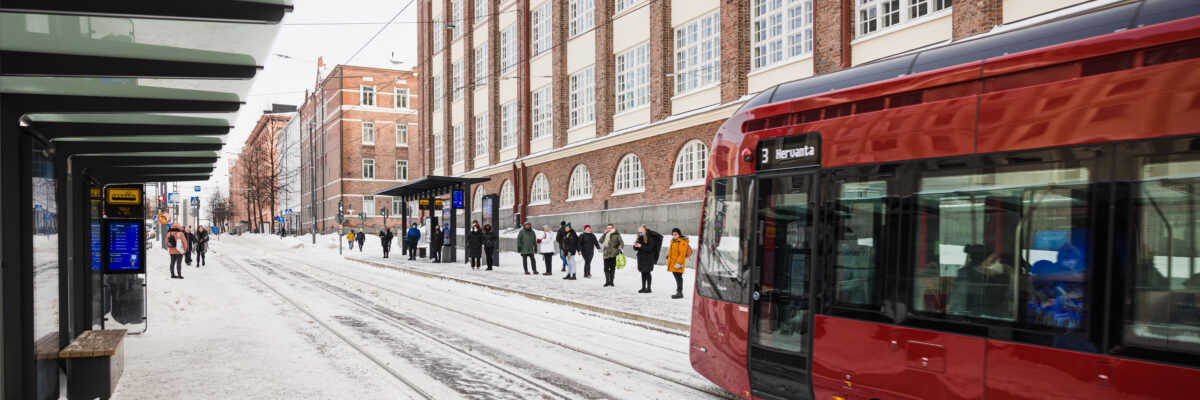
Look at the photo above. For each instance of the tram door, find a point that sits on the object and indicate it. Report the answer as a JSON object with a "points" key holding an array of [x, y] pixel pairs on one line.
{"points": [[781, 322]]}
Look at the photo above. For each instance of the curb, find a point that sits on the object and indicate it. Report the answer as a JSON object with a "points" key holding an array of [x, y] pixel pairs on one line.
{"points": [[671, 327]]}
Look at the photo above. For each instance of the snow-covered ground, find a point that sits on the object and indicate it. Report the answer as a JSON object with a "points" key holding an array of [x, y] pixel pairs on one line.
{"points": [[282, 318]]}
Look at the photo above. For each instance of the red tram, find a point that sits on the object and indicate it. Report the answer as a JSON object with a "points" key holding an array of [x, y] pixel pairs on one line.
{"points": [[1011, 217]]}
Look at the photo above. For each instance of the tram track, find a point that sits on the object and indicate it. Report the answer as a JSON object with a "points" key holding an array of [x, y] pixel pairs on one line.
{"points": [[539, 336]]}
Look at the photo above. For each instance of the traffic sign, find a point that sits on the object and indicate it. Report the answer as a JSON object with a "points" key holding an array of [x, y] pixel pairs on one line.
{"points": [[163, 218], [197, 188], [173, 197], [195, 201]]}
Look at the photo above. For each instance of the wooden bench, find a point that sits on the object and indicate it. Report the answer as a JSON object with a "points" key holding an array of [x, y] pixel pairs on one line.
{"points": [[95, 361], [45, 354]]}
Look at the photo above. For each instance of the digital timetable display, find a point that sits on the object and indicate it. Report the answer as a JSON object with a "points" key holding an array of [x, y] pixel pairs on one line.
{"points": [[125, 247]]}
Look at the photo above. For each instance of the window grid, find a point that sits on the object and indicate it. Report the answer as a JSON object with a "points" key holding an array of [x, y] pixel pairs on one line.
{"points": [[456, 19], [401, 134], [402, 170], [456, 82], [582, 16], [633, 77], [508, 125], [438, 154], [400, 99], [581, 183], [366, 95], [622, 5], [876, 15], [698, 53], [368, 133], [368, 168], [508, 50], [769, 30], [542, 113], [540, 21], [477, 201], [481, 135], [396, 207], [457, 151], [368, 205], [437, 34], [692, 163], [437, 92], [481, 66], [480, 10], [540, 191], [629, 175], [506, 194], [583, 97]]}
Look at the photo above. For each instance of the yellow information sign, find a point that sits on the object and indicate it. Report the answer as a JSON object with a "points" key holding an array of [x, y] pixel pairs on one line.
{"points": [[124, 196], [424, 203], [95, 192]]}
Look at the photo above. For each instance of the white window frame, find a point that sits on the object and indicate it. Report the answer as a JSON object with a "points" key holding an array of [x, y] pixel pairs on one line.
{"points": [[397, 204], [439, 156], [456, 18], [370, 209], [633, 77], [481, 66], [508, 50], [506, 194], [367, 96], [481, 10], [437, 32], [456, 79], [401, 134], [583, 97], [400, 98], [402, 172], [540, 32], [368, 168], [477, 200], [539, 190], [508, 125], [780, 31], [457, 151], [691, 164], [482, 136], [875, 16], [582, 16], [368, 133], [542, 113], [698, 53], [437, 92], [580, 185], [623, 5], [630, 177]]}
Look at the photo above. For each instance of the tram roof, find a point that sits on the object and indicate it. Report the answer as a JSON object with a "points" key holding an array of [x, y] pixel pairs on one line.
{"points": [[139, 89]]}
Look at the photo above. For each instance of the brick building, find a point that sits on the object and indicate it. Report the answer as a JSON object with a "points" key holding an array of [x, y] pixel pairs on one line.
{"points": [[259, 159], [361, 146], [603, 110]]}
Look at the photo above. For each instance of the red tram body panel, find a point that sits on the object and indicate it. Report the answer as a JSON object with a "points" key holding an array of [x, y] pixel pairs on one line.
{"points": [[1134, 85]]}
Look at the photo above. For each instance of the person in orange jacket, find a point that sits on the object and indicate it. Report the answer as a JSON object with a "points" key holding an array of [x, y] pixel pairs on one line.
{"points": [[677, 256]]}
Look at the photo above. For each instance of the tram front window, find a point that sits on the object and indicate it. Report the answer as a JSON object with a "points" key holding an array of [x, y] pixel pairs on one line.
{"points": [[723, 268]]}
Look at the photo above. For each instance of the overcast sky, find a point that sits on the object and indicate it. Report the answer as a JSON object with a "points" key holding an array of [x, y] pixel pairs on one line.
{"points": [[342, 27]]}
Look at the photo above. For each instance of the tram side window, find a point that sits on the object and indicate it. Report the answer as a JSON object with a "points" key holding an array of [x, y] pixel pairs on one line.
{"points": [[859, 223], [1006, 244], [1165, 307], [723, 268]]}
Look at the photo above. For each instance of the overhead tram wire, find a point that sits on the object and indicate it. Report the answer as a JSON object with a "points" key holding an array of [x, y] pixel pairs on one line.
{"points": [[364, 46]]}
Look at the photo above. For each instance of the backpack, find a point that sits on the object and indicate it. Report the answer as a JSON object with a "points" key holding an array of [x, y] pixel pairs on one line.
{"points": [[171, 241]]}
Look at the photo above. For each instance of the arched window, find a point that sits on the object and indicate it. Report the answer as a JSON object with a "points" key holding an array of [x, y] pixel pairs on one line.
{"points": [[581, 184], [477, 201], [506, 194], [630, 178], [539, 192], [691, 163]]}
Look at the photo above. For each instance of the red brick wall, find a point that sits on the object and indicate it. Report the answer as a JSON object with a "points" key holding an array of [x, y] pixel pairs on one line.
{"points": [[561, 82], [831, 38], [973, 17], [735, 49], [605, 68], [662, 56]]}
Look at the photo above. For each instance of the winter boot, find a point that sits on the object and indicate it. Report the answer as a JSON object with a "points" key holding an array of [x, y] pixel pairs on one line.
{"points": [[567, 277], [677, 295]]}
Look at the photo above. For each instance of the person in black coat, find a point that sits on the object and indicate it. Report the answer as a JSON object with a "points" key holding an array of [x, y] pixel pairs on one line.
{"points": [[361, 237], [648, 245], [490, 240], [385, 239], [474, 246], [588, 244], [558, 241], [191, 239], [570, 246], [436, 238]]}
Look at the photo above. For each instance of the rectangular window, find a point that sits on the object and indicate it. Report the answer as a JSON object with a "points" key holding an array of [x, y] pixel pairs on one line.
{"points": [[437, 31], [367, 95], [508, 125], [623, 5], [539, 20], [858, 230], [457, 151], [402, 170], [1008, 243], [875, 15], [368, 133], [508, 50], [481, 66], [368, 170], [456, 19], [633, 77], [725, 242], [481, 135], [1165, 281], [582, 16], [583, 97], [698, 53], [396, 207], [542, 113], [438, 153], [771, 23], [437, 92], [401, 98], [368, 205], [401, 134], [481, 10], [456, 72]]}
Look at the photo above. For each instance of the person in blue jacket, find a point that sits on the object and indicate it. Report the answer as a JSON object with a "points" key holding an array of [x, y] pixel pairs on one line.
{"points": [[414, 235]]}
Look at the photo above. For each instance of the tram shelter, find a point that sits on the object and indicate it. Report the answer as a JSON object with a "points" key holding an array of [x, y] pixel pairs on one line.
{"points": [[94, 94], [429, 189]]}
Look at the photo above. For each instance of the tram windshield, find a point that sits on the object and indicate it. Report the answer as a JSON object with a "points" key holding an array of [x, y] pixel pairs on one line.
{"points": [[723, 267]]}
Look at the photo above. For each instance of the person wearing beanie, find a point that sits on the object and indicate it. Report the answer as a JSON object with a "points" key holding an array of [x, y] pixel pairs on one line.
{"points": [[588, 244], [558, 240], [677, 257]]}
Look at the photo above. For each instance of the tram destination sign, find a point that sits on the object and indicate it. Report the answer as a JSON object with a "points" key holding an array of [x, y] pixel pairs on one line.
{"points": [[803, 150]]}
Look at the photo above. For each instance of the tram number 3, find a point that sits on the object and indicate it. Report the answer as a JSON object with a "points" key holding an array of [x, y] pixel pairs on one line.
{"points": [[766, 155]]}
